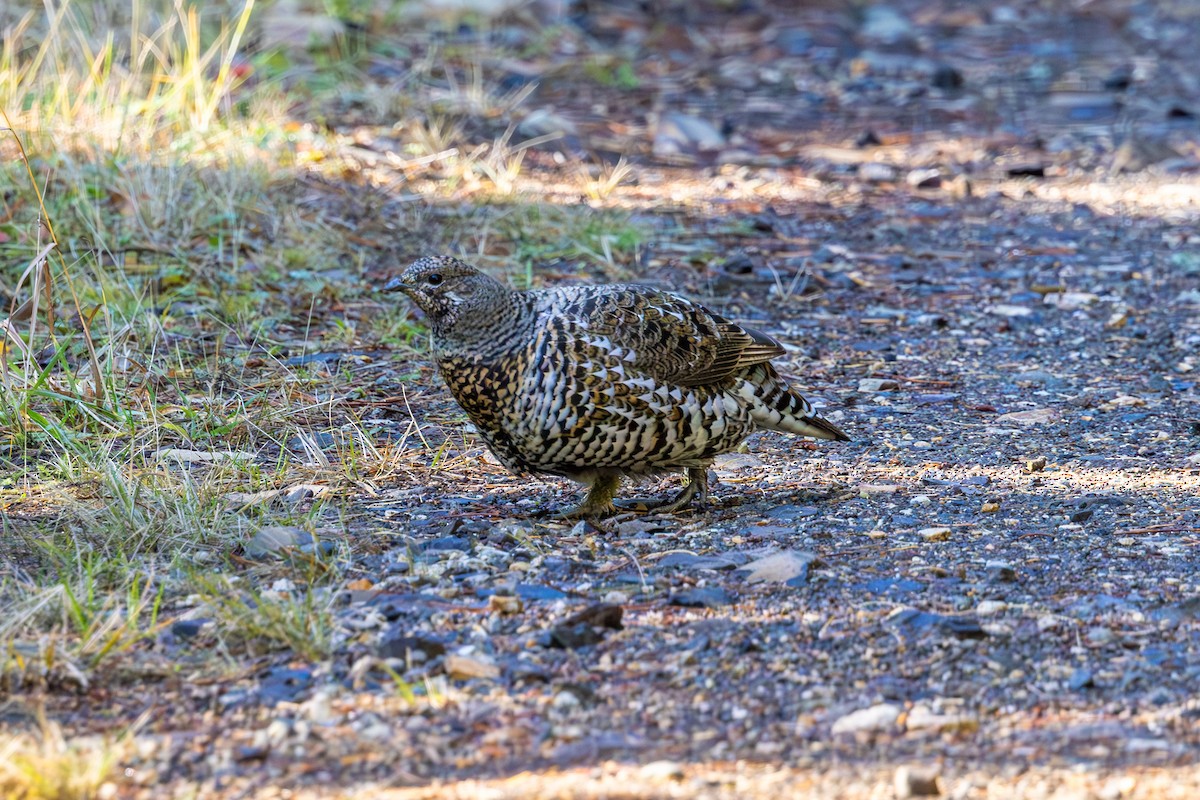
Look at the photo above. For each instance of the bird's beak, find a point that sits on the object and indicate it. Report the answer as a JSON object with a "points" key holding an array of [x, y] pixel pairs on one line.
{"points": [[397, 285]]}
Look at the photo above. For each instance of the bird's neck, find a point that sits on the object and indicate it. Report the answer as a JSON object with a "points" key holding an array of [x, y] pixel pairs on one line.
{"points": [[498, 324]]}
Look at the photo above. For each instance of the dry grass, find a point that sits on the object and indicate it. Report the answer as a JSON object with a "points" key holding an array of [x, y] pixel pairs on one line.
{"points": [[44, 764], [186, 235]]}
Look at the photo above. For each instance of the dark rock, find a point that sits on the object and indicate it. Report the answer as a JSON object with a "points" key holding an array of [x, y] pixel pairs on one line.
{"points": [[946, 78], [534, 591], [187, 628], [1000, 572], [410, 649], [1026, 171], [867, 138], [694, 563], [283, 684], [893, 586], [1081, 679], [912, 622], [244, 753], [586, 627], [701, 597], [446, 543], [1120, 79], [915, 782]]}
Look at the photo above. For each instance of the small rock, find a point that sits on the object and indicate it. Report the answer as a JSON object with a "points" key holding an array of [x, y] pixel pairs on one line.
{"points": [[916, 782], [1035, 464], [868, 385], [873, 172], [1070, 301], [990, 507], [1009, 310], [586, 627], [1081, 679], [1038, 377], [505, 604], [414, 649], [867, 138], [921, 717], [986, 608], [885, 25], [924, 179], [1034, 416], [868, 489], [662, 771], [1000, 572], [187, 628], [946, 78], [701, 597], [467, 667], [273, 539], [877, 718], [939, 534], [682, 134], [911, 622], [787, 567], [1099, 636]]}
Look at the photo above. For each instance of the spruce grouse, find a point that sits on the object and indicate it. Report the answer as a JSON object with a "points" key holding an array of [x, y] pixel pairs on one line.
{"points": [[595, 383]]}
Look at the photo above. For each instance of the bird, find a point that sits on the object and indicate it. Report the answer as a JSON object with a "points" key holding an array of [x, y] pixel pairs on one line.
{"points": [[598, 383]]}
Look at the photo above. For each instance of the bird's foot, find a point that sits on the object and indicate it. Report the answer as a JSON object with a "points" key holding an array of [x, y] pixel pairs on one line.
{"points": [[696, 489]]}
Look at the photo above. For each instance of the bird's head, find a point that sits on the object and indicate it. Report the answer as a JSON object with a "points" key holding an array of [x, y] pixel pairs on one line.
{"points": [[449, 291]]}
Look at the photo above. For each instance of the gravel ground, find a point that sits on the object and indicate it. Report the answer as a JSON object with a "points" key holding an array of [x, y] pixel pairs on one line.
{"points": [[991, 592]]}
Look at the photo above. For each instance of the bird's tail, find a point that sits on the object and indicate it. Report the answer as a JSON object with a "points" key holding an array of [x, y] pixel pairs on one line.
{"points": [[776, 407]]}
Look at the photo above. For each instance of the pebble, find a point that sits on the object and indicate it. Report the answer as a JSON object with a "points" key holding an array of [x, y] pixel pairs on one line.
{"points": [[881, 717], [1081, 679], [877, 385], [1000, 572], [701, 597], [916, 782], [662, 771], [505, 604], [885, 25], [418, 649], [935, 534], [1034, 416], [924, 179], [1100, 635], [466, 667], [1008, 310], [680, 134], [988, 607], [271, 539], [782, 567], [921, 717], [876, 173], [566, 699], [1070, 301]]}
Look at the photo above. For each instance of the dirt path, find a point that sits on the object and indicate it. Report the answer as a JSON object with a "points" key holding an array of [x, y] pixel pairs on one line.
{"points": [[992, 592]]}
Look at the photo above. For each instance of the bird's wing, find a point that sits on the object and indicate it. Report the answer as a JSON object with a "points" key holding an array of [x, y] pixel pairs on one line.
{"points": [[672, 339]]}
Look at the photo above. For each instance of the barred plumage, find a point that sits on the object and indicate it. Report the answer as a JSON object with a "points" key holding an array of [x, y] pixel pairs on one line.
{"points": [[595, 383]]}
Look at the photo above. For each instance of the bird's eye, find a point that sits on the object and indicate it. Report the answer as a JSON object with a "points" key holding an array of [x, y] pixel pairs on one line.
{"points": [[434, 279]]}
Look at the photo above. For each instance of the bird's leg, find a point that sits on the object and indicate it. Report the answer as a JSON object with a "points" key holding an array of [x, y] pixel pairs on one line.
{"points": [[697, 487], [599, 500]]}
